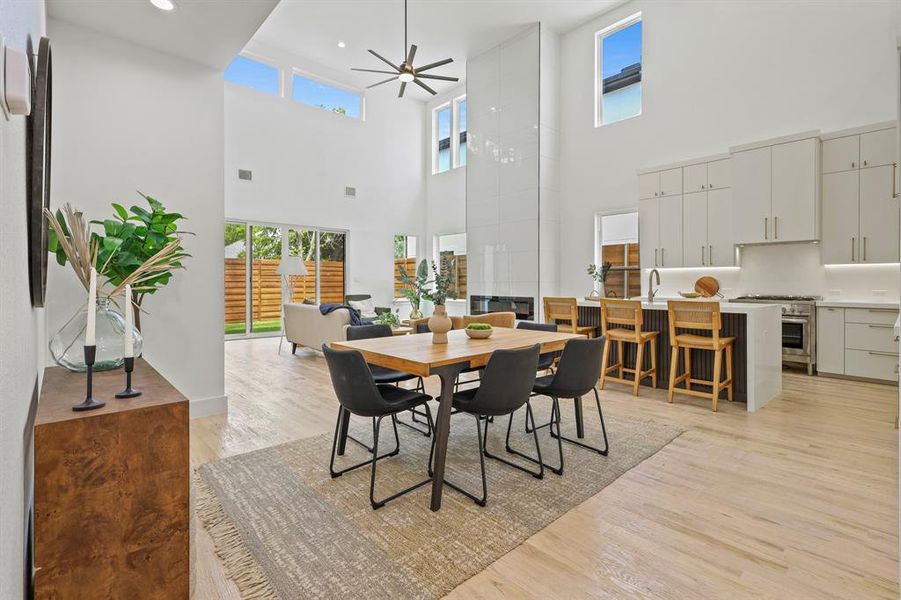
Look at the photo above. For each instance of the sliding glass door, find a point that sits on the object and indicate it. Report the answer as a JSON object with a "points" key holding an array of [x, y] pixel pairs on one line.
{"points": [[254, 290]]}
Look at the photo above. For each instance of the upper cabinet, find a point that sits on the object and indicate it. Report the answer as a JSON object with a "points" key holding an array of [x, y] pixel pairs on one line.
{"points": [[860, 196], [660, 183], [776, 191]]}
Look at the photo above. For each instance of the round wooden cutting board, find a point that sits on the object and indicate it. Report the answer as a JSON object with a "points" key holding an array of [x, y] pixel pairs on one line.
{"points": [[707, 286]]}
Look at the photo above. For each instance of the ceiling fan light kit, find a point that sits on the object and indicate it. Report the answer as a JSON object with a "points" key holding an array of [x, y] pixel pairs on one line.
{"points": [[405, 72]]}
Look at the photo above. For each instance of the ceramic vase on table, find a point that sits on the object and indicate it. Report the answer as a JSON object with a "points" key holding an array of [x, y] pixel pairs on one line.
{"points": [[439, 324], [67, 346]]}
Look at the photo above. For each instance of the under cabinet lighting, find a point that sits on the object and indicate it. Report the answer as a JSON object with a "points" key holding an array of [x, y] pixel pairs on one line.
{"points": [[860, 265], [163, 4]]}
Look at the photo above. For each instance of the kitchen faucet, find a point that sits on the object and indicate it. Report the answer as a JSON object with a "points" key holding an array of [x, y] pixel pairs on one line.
{"points": [[651, 291]]}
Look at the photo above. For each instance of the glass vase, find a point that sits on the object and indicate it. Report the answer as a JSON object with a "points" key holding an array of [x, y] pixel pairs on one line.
{"points": [[67, 346]]}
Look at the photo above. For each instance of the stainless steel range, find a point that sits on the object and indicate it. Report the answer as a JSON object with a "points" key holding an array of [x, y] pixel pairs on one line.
{"points": [[799, 326]]}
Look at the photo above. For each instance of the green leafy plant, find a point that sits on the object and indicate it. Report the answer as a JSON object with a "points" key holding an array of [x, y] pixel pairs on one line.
{"points": [[438, 295], [140, 246], [415, 287], [387, 318], [599, 273], [478, 326]]}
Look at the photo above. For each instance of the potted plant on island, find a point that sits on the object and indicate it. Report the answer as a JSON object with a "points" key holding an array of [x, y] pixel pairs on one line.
{"points": [[439, 322], [599, 275], [416, 288]]}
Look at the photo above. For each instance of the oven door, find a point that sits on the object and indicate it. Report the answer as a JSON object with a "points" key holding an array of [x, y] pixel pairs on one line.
{"points": [[796, 336]]}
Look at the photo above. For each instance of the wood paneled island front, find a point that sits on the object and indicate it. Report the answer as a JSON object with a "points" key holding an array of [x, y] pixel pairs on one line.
{"points": [[757, 329]]}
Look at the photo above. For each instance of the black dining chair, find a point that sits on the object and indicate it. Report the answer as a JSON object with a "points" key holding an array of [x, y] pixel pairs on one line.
{"points": [[505, 386], [576, 375], [359, 395], [546, 359], [391, 376]]}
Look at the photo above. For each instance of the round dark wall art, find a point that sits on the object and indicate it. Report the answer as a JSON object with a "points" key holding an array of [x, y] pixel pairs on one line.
{"points": [[38, 157]]}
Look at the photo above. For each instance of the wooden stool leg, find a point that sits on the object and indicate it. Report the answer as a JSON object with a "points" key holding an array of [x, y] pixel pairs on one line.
{"points": [[688, 368], [729, 370], [673, 364], [654, 362], [717, 366], [639, 359], [604, 362], [620, 358]]}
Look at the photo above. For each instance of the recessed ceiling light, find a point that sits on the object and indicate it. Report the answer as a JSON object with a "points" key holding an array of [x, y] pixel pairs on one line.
{"points": [[163, 4], [341, 45]]}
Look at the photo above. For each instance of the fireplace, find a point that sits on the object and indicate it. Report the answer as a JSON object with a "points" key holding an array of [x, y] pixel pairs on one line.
{"points": [[523, 306]]}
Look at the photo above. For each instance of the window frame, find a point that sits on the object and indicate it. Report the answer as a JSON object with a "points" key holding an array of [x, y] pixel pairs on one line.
{"points": [[263, 61], [599, 63], [454, 105], [289, 93]]}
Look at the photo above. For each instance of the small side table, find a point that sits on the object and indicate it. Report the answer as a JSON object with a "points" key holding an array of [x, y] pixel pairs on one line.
{"points": [[401, 330]]}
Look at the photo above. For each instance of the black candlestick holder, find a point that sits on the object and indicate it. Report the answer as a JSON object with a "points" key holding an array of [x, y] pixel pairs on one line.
{"points": [[129, 392], [90, 354]]}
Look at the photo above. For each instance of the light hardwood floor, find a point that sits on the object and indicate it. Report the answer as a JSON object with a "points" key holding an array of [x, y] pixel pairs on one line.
{"points": [[799, 500]]}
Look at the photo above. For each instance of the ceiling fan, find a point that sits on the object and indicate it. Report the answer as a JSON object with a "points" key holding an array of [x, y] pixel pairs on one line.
{"points": [[406, 72]]}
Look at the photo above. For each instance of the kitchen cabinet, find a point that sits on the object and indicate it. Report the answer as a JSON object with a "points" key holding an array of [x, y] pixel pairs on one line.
{"points": [[660, 231], [719, 174], [857, 342], [776, 192], [694, 178], [751, 192], [707, 229], [831, 340], [860, 210], [660, 183]]}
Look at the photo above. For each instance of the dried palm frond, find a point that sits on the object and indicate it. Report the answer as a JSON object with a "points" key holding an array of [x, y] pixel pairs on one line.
{"points": [[166, 260], [74, 237]]}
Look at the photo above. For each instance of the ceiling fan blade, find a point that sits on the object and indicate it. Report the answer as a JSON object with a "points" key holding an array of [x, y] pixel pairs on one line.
{"points": [[384, 60], [403, 86], [373, 71], [411, 55], [441, 77], [381, 82], [432, 65], [425, 87]]}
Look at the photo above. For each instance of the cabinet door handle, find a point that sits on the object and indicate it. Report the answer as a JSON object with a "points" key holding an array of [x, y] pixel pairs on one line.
{"points": [[766, 228], [864, 163], [883, 310], [702, 256], [710, 255], [776, 228], [894, 179], [709, 185], [852, 164], [875, 353], [882, 326], [702, 186], [864, 249], [663, 257], [655, 193], [852, 250], [655, 257]]}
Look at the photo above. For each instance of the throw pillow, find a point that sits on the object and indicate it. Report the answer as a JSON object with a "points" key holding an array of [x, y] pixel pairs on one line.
{"points": [[366, 308]]}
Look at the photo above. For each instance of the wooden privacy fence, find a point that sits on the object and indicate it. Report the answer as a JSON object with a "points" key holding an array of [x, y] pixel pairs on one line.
{"points": [[409, 265], [266, 287]]}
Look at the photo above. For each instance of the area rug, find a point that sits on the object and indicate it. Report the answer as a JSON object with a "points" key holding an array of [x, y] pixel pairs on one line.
{"points": [[284, 529]]}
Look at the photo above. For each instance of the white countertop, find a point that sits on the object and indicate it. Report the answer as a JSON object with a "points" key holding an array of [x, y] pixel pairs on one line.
{"points": [[725, 306], [838, 303]]}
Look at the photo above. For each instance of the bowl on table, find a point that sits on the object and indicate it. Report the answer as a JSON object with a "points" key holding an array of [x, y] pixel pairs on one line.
{"points": [[479, 331]]}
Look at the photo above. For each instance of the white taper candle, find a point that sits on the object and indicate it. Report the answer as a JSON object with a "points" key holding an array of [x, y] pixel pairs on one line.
{"points": [[129, 324], [90, 338]]}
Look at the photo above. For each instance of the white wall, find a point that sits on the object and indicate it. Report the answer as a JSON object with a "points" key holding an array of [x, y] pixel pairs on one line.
{"points": [[21, 356], [127, 118], [716, 74], [302, 157]]}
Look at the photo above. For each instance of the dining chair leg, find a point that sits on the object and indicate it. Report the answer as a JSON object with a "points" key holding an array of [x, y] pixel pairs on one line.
{"points": [[603, 452], [484, 499], [555, 420], [331, 466], [717, 366], [377, 504], [639, 363], [673, 365], [536, 474], [604, 360]]}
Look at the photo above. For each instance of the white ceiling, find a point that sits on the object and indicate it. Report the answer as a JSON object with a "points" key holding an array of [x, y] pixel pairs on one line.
{"points": [[459, 29], [211, 32]]}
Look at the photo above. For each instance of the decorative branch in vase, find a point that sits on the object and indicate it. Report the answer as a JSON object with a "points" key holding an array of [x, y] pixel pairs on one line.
{"points": [[599, 275], [439, 322], [141, 249]]}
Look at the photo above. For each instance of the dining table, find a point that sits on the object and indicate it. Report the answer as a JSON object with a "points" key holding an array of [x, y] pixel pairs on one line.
{"points": [[418, 355]]}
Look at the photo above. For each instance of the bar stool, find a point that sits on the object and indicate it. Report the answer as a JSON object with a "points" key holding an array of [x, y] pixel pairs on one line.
{"points": [[626, 312], [565, 309], [704, 316]]}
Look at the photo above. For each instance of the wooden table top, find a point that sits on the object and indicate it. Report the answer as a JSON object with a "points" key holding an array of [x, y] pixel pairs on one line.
{"points": [[415, 353], [62, 389]]}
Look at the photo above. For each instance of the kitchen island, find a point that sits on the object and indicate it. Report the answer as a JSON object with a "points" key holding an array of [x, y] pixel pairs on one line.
{"points": [[757, 329]]}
